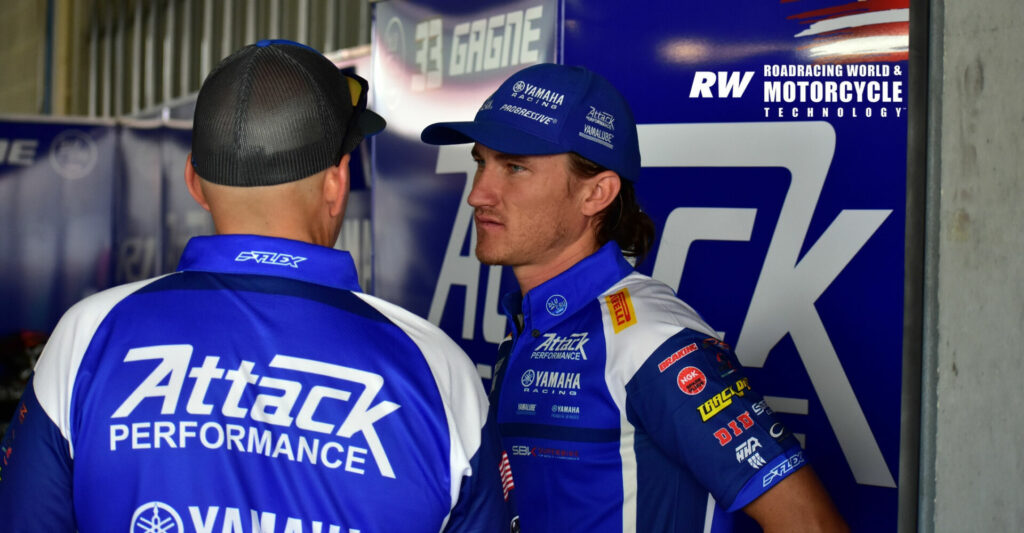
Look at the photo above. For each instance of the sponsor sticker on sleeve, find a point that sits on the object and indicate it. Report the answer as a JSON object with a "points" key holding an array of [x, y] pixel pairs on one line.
{"points": [[620, 307], [691, 380], [675, 357]]}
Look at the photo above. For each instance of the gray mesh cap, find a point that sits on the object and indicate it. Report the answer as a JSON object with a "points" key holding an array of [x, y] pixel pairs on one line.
{"points": [[277, 111]]}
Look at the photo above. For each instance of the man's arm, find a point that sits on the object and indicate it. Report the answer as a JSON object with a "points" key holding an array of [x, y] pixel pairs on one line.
{"points": [[798, 503], [35, 472], [480, 508]]}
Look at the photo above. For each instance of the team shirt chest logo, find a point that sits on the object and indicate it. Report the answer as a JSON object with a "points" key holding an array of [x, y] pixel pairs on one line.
{"points": [[276, 401], [556, 305], [550, 382], [556, 347]]}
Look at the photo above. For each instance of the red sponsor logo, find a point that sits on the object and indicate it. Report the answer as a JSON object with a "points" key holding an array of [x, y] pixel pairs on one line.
{"points": [[681, 353], [743, 420], [691, 380]]}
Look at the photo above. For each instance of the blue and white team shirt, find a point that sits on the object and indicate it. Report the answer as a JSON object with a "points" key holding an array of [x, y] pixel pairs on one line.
{"points": [[620, 410], [256, 389]]}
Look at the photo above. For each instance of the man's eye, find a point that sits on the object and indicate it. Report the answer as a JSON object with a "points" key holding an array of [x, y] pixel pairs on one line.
{"points": [[515, 168]]}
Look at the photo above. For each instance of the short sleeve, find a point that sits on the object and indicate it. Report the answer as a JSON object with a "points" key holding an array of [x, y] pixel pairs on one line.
{"points": [[692, 399]]}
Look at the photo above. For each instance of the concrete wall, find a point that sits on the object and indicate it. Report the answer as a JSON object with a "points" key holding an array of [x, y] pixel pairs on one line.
{"points": [[978, 260]]}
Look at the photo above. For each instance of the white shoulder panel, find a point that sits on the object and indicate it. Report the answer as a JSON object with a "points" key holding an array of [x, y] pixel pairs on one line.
{"points": [[659, 314], [462, 392], [57, 368], [655, 315]]}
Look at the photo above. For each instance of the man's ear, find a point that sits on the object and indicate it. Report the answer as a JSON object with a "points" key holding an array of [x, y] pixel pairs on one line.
{"points": [[336, 184], [192, 182], [603, 188]]}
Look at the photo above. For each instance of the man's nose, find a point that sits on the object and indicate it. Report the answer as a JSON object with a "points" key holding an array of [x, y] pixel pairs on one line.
{"points": [[482, 193]]}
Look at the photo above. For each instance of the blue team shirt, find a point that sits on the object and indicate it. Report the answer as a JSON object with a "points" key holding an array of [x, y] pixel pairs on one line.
{"points": [[620, 410], [256, 389]]}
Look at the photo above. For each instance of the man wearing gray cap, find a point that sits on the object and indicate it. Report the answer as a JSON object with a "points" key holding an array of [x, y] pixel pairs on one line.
{"points": [[256, 388], [619, 408]]}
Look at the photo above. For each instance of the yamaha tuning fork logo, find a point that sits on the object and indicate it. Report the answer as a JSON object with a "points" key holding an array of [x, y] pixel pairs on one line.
{"points": [[156, 517]]}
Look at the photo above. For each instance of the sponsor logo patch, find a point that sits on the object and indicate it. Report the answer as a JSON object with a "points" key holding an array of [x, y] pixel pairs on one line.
{"points": [[778, 431], [734, 428], [722, 400], [761, 408], [620, 307], [679, 354], [533, 93], [556, 305], [159, 517], [571, 412], [783, 469], [601, 117], [551, 382], [748, 452], [604, 138], [556, 347], [156, 516], [259, 417], [526, 408], [270, 258], [691, 380]]}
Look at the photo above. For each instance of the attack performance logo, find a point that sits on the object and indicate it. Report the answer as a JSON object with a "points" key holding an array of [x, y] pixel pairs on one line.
{"points": [[318, 434]]}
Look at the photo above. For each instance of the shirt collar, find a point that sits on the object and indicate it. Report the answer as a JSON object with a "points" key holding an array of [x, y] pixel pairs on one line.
{"points": [[561, 296], [271, 256]]}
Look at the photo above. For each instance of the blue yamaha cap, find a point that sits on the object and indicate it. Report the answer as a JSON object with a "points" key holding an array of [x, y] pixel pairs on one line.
{"points": [[552, 109]]}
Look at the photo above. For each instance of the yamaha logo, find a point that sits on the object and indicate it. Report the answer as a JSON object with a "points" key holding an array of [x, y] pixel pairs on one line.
{"points": [[519, 86], [156, 517], [556, 305], [73, 154], [527, 378]]}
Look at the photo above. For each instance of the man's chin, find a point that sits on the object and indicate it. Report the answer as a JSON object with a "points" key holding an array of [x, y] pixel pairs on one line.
{"points": [[490, 258]]}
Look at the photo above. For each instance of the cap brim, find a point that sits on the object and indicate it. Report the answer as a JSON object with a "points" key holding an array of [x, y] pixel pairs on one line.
{"points": [[371, 123], [496, 136]]}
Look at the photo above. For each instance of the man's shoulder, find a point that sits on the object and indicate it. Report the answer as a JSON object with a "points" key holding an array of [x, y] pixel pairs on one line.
{"points": [[650, 306], [420, 329], [399, 314], [100, 303]]}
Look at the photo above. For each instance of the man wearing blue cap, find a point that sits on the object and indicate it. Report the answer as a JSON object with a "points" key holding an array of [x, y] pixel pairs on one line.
{"points": [[256, 388], [619, 409]]}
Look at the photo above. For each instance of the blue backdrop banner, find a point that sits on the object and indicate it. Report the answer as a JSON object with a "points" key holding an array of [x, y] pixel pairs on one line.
{"points": [[57, 182], [773, 138]]}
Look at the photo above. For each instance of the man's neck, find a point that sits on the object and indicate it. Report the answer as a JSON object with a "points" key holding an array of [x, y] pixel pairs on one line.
{"points": [[531, 276]]}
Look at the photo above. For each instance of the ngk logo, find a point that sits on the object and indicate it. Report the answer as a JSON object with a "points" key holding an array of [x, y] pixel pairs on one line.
{"points": [[691, 380], [278, 401]]}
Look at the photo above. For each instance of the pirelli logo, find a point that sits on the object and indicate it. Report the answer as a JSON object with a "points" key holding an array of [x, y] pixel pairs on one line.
{"points": [[722, 400], [621, 309]]}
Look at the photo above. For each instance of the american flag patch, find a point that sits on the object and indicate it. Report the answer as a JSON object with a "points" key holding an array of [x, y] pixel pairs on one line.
{"points": [[506, 475]]}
